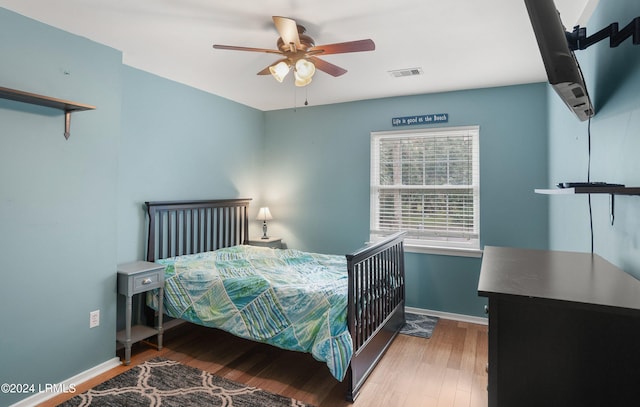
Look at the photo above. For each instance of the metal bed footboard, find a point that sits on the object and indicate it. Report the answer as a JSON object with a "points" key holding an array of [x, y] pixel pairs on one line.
{"points": [[376, 304]]}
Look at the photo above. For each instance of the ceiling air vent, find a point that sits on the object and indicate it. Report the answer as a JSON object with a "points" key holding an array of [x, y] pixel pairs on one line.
{"points": [[400, 73]]}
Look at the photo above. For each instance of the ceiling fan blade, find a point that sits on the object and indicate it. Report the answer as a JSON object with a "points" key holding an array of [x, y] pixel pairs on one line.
{"points": [[266, 70], [343, 47], [234, 48], [331, 69], [288, 30]]}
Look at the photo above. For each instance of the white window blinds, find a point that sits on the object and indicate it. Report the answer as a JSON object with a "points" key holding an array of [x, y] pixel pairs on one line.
{"points": [[426, 182]]}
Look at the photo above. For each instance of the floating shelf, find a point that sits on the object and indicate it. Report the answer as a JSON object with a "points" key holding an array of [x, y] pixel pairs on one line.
{"points": [[590, 190], [612, 191], [67, 106]]}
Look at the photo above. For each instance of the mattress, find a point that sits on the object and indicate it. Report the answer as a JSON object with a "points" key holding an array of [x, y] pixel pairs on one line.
{"points": [[287, 298]]}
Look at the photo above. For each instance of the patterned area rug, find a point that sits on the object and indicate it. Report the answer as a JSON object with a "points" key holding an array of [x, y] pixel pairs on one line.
{"points": [[419, 325], [165, 383]]}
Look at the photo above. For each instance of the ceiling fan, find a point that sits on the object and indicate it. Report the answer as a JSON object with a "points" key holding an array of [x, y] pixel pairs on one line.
{"points": [[301, 53]]}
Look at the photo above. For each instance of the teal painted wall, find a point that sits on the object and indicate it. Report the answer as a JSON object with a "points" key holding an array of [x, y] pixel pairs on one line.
{"points": [[181, 143], [316, 180], [72, 210], [613, 81], [58, 257]]}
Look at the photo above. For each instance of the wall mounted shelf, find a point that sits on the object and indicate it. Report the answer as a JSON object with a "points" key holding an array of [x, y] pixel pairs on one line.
{"points": [[67, 106], [612, 191], [590, 190]]}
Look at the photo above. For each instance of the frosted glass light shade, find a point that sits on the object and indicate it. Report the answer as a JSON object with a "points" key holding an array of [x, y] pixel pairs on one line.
{"points": [[279, 70], [302, 82], [304, 69]]}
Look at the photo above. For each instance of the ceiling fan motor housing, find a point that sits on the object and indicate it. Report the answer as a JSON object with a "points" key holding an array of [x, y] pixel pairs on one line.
{"points": [[306, 42]]}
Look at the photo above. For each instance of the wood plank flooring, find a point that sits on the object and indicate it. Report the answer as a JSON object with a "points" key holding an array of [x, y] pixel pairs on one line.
{"points": [[447, 370]]}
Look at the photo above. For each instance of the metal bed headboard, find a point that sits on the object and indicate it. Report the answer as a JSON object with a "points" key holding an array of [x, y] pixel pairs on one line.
{"points": [[187, 227]]}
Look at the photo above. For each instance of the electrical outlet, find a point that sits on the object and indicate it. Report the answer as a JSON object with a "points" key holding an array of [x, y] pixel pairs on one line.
{"points": [[94, 318]]}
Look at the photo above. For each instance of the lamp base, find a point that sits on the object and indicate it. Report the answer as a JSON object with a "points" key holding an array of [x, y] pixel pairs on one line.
{"points": [[264, 230]]}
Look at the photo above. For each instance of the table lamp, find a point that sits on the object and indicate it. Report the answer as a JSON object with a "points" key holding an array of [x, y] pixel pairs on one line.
{"points": [[264, 215]]}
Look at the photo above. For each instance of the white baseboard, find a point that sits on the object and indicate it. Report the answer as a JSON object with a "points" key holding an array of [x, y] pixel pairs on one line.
{"points": [[70, 383], [448, 315]]}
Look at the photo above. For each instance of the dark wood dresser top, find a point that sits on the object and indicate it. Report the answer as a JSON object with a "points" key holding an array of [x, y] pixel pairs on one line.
{"points": [[557, 275]]}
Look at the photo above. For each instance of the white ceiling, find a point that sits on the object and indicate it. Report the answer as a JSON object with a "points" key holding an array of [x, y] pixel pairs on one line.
{"points": [[459, 44]]}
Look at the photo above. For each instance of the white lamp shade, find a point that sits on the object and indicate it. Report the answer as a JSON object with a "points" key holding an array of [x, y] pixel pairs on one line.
{"points": [[264, 214], [279, 70]]}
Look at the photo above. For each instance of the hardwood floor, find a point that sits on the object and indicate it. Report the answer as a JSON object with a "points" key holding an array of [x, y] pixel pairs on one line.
{"points": [[446, 370]]}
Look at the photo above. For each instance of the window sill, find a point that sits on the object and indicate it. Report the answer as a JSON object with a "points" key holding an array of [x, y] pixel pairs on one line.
{"points": [[444, 251]]}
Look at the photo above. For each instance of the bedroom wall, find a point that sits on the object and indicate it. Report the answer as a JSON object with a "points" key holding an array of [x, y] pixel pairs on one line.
{"points": [[613, 81], [181, 143], [58, 257], [316, 181], [72, 210]]}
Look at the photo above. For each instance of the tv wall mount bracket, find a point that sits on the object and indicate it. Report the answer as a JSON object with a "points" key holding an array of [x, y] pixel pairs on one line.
{"points": [[579, 40]]}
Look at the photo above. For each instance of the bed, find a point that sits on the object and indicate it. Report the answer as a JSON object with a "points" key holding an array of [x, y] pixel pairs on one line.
{"points": [[362, 293]]}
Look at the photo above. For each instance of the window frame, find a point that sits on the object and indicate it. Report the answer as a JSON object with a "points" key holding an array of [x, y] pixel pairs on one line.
{"points": [[447, 246]]}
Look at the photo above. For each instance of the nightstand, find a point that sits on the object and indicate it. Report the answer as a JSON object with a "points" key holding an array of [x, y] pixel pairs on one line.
{"points": [[272, 242], [137, 278]]}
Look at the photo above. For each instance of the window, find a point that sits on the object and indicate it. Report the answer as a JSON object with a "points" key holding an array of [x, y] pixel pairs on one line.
{"points": [[426, 182]]}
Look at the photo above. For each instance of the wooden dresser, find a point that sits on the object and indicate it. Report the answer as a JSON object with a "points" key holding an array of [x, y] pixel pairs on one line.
{"points": [[564, 329]]}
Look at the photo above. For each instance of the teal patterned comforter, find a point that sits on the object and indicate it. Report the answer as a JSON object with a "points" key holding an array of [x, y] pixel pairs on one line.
{"points": [[291, 299]]}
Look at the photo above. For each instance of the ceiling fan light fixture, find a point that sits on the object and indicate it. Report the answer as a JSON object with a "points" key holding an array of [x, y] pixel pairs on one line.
{"points": [[304, 69], [280, 70], [300, 81], [298, 51]]}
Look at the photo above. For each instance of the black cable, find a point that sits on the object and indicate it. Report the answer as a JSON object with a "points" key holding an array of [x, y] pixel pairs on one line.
{"points": [[589, 160], [612, 208], [589, 179], [589, 150], [591, 223]]}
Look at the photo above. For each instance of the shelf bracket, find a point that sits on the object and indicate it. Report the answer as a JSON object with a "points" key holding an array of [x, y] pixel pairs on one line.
{"points": [[67, 124]]}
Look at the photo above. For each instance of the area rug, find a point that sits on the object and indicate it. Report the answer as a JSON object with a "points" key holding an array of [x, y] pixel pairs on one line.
{"points": [[166, 383], [419, 325]]}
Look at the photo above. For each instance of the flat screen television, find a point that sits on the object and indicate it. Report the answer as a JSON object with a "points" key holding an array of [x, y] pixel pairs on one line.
{"points": [[563, 70]]}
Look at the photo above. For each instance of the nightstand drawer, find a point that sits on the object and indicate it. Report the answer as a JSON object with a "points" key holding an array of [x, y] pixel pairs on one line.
{"points": [[138, 277], [147, 281]]}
